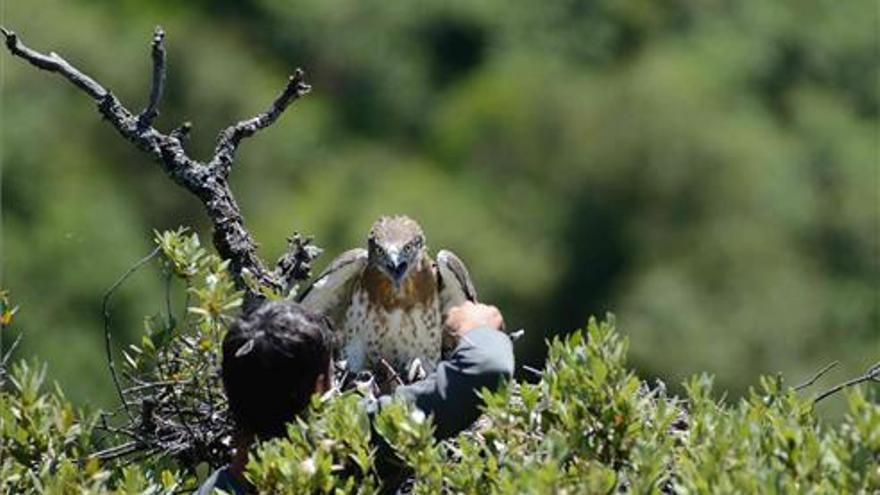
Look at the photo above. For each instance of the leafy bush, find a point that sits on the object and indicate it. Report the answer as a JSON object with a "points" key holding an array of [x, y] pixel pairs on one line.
{"points": [[174, 402], [588, 424], [45, 445]]}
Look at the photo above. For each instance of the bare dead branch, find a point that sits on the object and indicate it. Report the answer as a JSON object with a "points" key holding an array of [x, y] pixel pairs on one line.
{"points": [[182, 133], [533, 370], [392, 374], [53, 63], [145, 119], [207, 181], [828, 367], [873, 374], [296, 263], [185, 419], [163, 383], [229, 139], [116, 451], [182, 169]]}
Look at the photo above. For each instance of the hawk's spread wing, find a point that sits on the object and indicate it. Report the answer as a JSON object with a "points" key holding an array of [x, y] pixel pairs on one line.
{"points": [[455, 287], [331, 292]]}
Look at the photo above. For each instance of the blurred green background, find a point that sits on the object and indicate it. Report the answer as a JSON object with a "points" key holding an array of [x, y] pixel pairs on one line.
{"points": [[706, 170]]}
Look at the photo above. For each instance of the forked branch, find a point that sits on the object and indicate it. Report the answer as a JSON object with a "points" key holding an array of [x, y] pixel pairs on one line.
{"points": [[872, 374], [207, 180]]}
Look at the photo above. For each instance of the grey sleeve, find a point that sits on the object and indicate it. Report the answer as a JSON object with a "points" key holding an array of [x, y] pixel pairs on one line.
{"points": [[483, 359]]}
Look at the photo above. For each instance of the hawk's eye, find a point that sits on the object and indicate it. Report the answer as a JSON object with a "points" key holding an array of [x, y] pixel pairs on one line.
{"points": [[375, 248]]}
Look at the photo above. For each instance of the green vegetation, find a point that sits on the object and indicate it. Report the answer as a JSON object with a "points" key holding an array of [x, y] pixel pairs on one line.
{"points": [[706, 170], [589, 425]]}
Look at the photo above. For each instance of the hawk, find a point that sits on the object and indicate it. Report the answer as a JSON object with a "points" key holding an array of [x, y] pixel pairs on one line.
{"points": [[387, 301]]}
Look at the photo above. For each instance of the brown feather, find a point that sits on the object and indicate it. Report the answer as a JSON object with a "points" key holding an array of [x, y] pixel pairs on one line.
{"points": [[419, 287], [394, 230]]}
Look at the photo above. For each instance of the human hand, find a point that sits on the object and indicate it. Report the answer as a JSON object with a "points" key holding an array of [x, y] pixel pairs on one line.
{"points": [[467, 316]]}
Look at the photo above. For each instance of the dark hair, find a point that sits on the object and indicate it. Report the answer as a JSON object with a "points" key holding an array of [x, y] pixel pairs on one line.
{"points": [[272, 357]]}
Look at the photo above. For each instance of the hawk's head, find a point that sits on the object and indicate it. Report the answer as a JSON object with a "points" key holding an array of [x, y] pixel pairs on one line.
{"points": [[395, 246]]}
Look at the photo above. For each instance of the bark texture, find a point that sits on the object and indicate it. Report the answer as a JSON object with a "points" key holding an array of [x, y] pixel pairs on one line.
{"points": [[206, 180]]}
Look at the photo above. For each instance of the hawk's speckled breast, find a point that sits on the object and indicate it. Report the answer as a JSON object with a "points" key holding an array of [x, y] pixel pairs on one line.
{"points": [[397, 324]]}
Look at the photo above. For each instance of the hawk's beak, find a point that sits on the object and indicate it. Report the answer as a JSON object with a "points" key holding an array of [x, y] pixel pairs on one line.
{"points": [[397, 269]]}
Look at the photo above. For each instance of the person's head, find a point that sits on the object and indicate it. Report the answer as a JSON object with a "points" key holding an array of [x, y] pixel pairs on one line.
{"points": [[274, 359]]}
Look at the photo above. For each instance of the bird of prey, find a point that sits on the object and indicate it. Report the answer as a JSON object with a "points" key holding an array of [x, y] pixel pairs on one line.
{"points": [[387, 302]]}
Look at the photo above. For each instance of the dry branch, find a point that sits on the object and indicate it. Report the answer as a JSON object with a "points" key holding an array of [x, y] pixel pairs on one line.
{"points": [[185, 419], [105, 310], [227, 144], [872, 374], [819, 374], [206, 180], [152, 111]]}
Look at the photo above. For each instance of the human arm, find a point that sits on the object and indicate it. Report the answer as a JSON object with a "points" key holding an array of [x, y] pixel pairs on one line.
{"points": [[483, 358]]}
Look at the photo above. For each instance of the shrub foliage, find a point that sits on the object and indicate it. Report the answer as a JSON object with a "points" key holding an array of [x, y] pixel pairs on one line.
{"points": [[587, 424]]}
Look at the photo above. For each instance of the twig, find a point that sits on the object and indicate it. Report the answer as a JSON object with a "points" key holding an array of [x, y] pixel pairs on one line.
{"points": [[169, 320], [229, 138], [207, 181], [139, 458], [115, 451], [8, 353], [168, 428], [534, 371], [390, 370], [182, 133], [294, 265], [163, 383], [873, 374], [146, 117], [105, 309], [53, 63], [828, 367], [175, 402]]}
